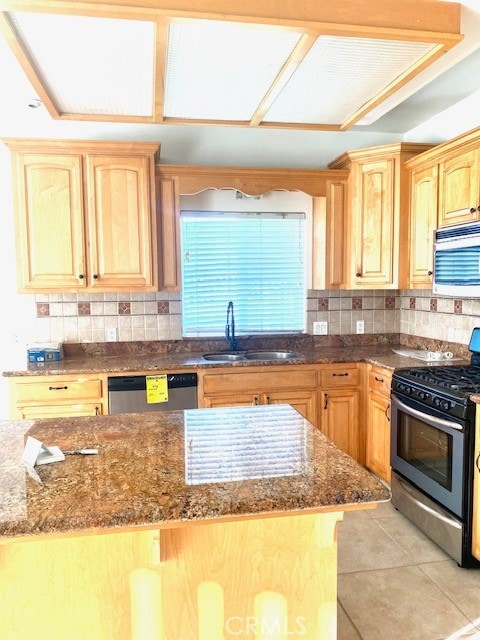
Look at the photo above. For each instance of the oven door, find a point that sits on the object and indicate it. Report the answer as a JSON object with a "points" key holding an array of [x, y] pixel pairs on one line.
{"points": [[428, 450]]}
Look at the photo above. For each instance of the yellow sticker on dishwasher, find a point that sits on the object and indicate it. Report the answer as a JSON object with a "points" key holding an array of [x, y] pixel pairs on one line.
{"points": [[157, 389]]}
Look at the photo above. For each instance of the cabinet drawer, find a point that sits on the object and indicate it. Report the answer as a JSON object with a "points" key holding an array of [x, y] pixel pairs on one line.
{"points": [[380, 381], [261, 381], [339, 376], [58, 389]]}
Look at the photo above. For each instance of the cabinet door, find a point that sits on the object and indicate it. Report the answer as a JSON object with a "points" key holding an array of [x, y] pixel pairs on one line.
{"points": [[373, 220], [120, 223], [423, 222], [339, 419], [303, 401], [378, 436], [459, 189], [50, 222]]}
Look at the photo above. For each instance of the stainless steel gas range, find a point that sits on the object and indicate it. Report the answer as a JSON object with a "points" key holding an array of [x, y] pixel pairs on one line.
{"points": [[432, 450]]}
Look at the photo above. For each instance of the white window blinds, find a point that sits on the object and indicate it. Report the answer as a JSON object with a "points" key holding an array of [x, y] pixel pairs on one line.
{"points": [[256, 260]]}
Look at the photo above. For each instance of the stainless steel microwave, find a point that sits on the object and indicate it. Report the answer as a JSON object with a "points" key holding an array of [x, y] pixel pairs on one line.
{"points": [[456, 261]]}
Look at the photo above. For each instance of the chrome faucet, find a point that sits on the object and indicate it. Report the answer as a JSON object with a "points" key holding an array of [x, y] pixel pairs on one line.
{"points": [[230, 327]]}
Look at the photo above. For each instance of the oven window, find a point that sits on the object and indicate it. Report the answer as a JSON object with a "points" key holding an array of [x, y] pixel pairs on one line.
{"points": [[427, 449]]}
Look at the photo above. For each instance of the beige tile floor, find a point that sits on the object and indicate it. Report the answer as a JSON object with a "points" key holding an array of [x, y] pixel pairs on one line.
{"points": [[396, 584]]}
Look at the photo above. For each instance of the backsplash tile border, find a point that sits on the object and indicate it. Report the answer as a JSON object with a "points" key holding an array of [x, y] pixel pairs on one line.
{"points": [[157, 315]]}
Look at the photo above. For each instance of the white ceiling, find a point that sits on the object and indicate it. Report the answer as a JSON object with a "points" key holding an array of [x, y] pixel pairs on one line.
{"points": [[439, 103]]}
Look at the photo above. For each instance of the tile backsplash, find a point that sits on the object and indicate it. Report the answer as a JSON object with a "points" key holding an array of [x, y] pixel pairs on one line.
{"points": [[81, 318]]}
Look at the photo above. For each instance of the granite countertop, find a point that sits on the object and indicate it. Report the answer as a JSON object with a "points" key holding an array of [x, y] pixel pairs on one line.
{"points": [[380, 355], [166, 469]]}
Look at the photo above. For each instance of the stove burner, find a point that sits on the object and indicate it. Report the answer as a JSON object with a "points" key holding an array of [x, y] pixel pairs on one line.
{"points": [[465, 380]]}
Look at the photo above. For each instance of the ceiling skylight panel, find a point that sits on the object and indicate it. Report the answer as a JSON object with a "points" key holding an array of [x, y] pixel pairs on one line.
{"points": [[92, 65], [339, 75], [221, 70]]}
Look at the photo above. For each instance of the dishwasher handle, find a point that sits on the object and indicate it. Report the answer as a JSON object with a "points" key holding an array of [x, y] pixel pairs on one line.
{"points": [[139, 383]]}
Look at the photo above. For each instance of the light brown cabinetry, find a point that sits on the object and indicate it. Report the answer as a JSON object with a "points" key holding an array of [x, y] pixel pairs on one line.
{"points": [[57, 396], [271, 385], [85, 215], [459, 194], [423, 222], [378, 212], [378, 422], [340, 405]]}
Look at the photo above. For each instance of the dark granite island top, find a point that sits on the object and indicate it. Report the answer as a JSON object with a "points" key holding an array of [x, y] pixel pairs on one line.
{"points": [[105, 547], [168, 468]]}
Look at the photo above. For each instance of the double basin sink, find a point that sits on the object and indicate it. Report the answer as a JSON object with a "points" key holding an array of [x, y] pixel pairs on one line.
{"points": [[235, 356]]}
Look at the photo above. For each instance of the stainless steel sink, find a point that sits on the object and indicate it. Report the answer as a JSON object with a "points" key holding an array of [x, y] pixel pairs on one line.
{"points": [[224, 357], [272, 355]]}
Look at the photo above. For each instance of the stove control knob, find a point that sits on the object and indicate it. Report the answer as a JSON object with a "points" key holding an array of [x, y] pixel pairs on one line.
{"points": [[436, 402], [446, 405], [408, 389], [421, 395], [401, 387]]}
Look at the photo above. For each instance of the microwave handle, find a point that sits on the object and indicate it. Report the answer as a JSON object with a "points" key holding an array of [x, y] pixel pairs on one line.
{"points": [[433, 419]]}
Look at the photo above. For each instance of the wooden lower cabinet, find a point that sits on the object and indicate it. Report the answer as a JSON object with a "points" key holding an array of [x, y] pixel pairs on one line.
{"points": [[340, 410], [340, 407], [59, 396], [378, 423], [293, 385]]}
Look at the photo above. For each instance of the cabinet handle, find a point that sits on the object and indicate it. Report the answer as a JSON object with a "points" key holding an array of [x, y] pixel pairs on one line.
{"points": [[326, 401], [340, 375], [97, 411], [255, 400], [81, 276], [379, 379], [387, 413], [477, 462], [267, 398], [57, 388]]}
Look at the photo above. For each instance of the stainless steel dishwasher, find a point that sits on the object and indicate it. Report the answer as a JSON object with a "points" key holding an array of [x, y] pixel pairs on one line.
{"points": [[128, 394]]}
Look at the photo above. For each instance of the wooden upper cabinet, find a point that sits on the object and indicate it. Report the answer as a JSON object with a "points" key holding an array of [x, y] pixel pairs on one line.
{"points": [[423, 222], [85, 215], [121, 255], [373, 207], [377, 214], [459, 196], [50, 233]]}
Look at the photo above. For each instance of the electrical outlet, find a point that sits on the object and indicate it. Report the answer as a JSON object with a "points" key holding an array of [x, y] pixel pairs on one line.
{"points": [[112, 334], [360, 326], [320, 328]]}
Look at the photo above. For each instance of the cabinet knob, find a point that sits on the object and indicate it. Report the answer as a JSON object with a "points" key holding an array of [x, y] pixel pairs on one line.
{"points": [[478, 208], [358, 274], [430, 273], [81, 276], [472, 210], [477, 462], [95, 276]]}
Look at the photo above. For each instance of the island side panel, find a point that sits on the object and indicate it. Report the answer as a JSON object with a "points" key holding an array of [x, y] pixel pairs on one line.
{"points": [[71, 588], [238, 579]]}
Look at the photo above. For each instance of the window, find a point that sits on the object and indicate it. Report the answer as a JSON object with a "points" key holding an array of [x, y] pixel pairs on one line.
{"points": [[256, 260]]}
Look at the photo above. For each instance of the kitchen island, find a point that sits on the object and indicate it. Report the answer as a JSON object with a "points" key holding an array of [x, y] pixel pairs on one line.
{"points": [[203, 524]]}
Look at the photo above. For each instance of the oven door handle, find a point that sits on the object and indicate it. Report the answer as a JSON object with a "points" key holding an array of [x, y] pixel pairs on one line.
{"points": [[423, 416]]}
